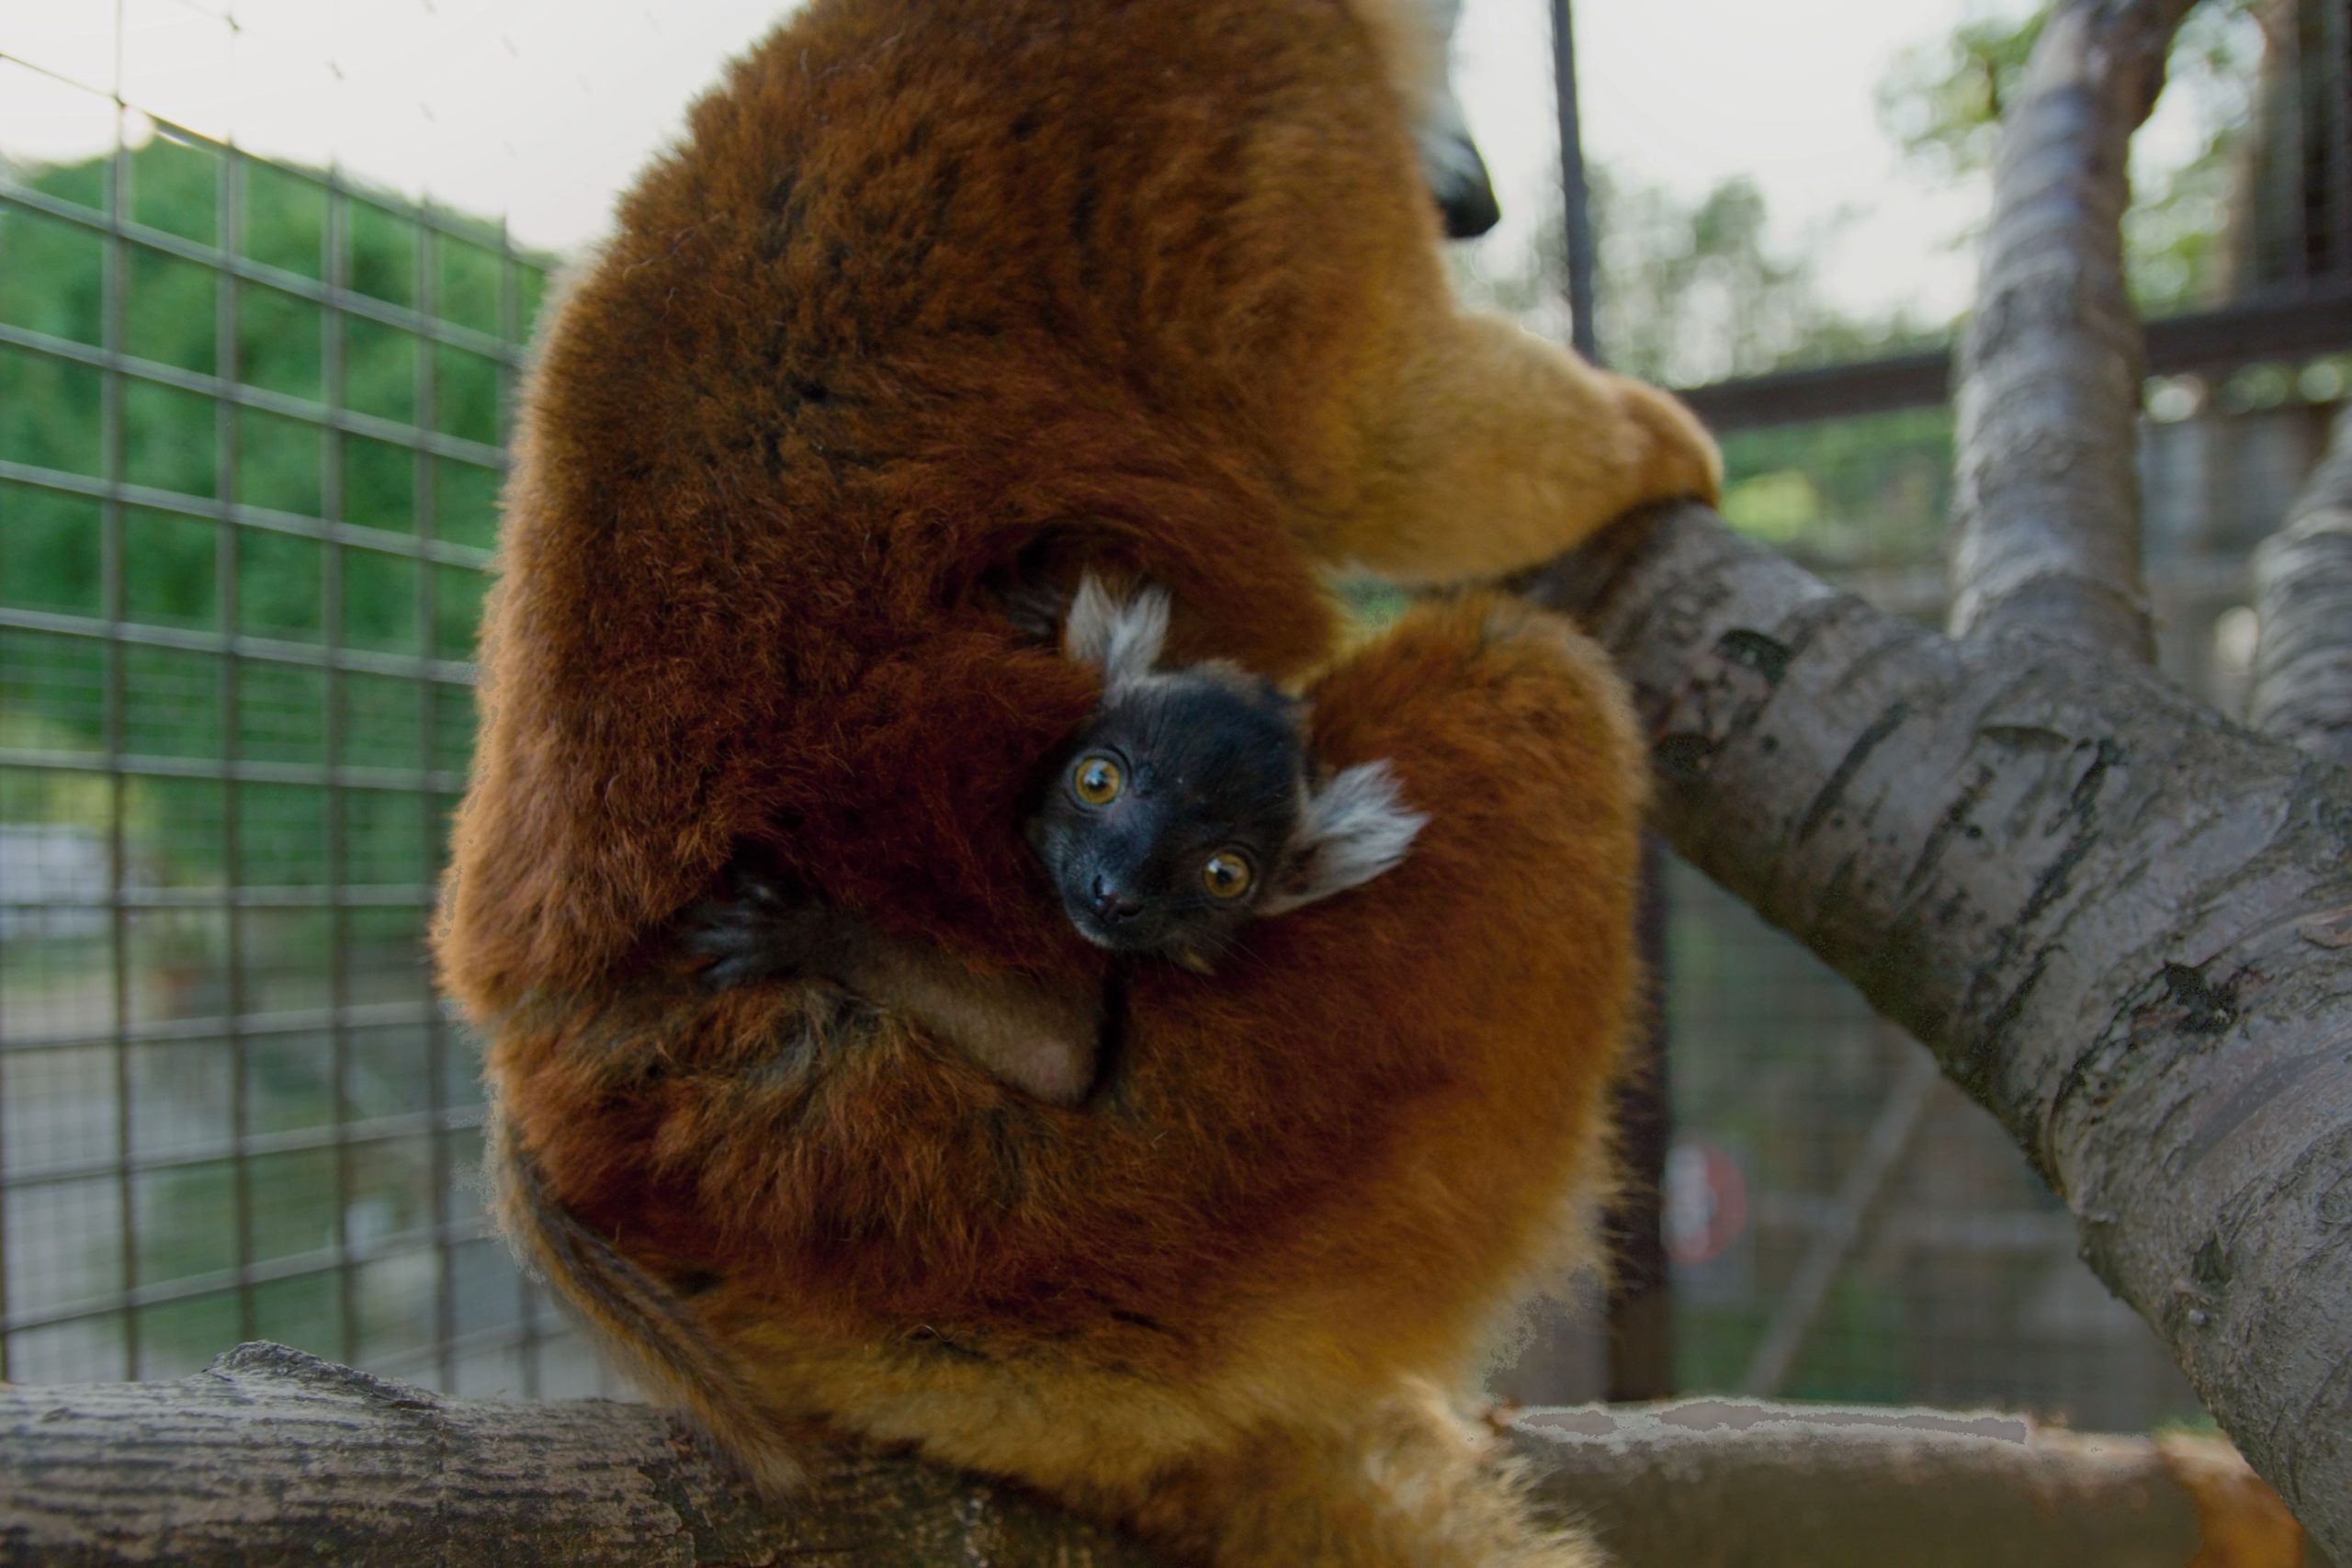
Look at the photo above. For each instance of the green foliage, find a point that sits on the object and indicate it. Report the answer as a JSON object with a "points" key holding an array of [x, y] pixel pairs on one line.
{"points": [[271, 579], [1942, 104], [1697, 293], [1862, 494], [1689, 292]]}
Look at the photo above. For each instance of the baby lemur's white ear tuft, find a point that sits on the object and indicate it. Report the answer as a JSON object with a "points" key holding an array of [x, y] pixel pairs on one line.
{"points": [[1354, 828], [1123, 640]]}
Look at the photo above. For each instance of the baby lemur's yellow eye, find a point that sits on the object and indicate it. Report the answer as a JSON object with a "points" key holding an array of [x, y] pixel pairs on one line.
{"points": [[1098, 780], [1226, 874]]}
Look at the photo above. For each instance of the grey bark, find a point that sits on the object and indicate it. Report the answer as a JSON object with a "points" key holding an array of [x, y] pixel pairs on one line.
{"points": [[1722, 1483], [2303, 575], [2046, 503], [2121, 923], [273, 1457]]}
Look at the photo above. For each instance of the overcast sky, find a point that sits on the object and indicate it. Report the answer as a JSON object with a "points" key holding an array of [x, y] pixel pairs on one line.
{"points": [[542, 108]]}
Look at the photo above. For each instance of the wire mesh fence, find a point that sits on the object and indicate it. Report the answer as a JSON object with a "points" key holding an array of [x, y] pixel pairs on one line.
{"points": [[251, 426]]}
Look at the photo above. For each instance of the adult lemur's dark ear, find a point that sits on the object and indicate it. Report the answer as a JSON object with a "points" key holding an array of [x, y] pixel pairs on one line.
{"points": [[1354, 827], [1450, 161], [1122, 639], [1457, 177]]}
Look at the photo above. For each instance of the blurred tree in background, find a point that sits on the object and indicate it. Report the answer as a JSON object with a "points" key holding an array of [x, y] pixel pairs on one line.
{"points": [[1942, 104], [1695, 291], [53, 282], [1690, 292]]}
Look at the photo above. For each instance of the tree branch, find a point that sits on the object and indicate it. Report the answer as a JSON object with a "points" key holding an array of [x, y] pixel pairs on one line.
{"points": [[274, 1456], [271, 1457], [2046, 507], [2302, 577], [1730, 1483], [2120, 924]]}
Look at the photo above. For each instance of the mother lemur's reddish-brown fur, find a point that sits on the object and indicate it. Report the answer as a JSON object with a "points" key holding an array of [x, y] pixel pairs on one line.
{"points": [[938, 296]]}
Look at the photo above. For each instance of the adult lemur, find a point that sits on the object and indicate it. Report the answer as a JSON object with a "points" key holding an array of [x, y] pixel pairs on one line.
{"points": [[938, 298]]}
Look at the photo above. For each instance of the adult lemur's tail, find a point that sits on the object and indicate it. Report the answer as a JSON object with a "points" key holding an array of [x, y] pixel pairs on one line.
{"points": [[655, 1337]]}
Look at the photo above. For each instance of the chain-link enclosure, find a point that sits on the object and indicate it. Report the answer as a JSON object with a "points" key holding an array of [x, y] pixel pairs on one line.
{"points": [[251, 426]]}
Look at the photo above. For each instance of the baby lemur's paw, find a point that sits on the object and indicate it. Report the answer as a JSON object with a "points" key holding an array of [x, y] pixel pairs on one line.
{"points": [[1036, 607], [757, 929]]}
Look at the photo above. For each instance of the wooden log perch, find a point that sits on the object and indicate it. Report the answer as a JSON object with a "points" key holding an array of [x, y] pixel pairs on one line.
{"points": [[2121, 924], [272, 1457], [1736, 1483]]}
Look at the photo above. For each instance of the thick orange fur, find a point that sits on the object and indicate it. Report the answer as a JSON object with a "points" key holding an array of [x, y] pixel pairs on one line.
{"points": [[937, 294]]}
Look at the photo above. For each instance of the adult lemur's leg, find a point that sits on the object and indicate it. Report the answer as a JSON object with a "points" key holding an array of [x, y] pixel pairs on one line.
{"points": [[1406, 1484]]}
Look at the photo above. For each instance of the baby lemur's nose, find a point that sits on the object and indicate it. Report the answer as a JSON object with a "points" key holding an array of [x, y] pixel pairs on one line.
{"points": [[1115, 903]]}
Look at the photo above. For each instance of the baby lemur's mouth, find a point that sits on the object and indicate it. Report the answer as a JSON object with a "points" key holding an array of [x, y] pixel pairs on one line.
{"points": [[1128, 936]]}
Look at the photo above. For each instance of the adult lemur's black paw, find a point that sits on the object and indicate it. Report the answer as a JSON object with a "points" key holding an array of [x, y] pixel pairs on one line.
{"points": [[1457, 178], [1030, 593], [757, 929]]}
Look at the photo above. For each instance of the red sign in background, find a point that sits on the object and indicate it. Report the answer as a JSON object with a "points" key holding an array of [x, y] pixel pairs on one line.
{"points": [[1706, 1202]]}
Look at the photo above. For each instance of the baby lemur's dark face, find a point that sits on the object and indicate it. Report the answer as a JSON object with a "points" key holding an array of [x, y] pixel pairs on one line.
{"points": [[1173, 813], [1189, 806]]}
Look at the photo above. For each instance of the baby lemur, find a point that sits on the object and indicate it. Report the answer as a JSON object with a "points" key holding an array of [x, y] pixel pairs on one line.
{"points": [[1185, 807]]}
